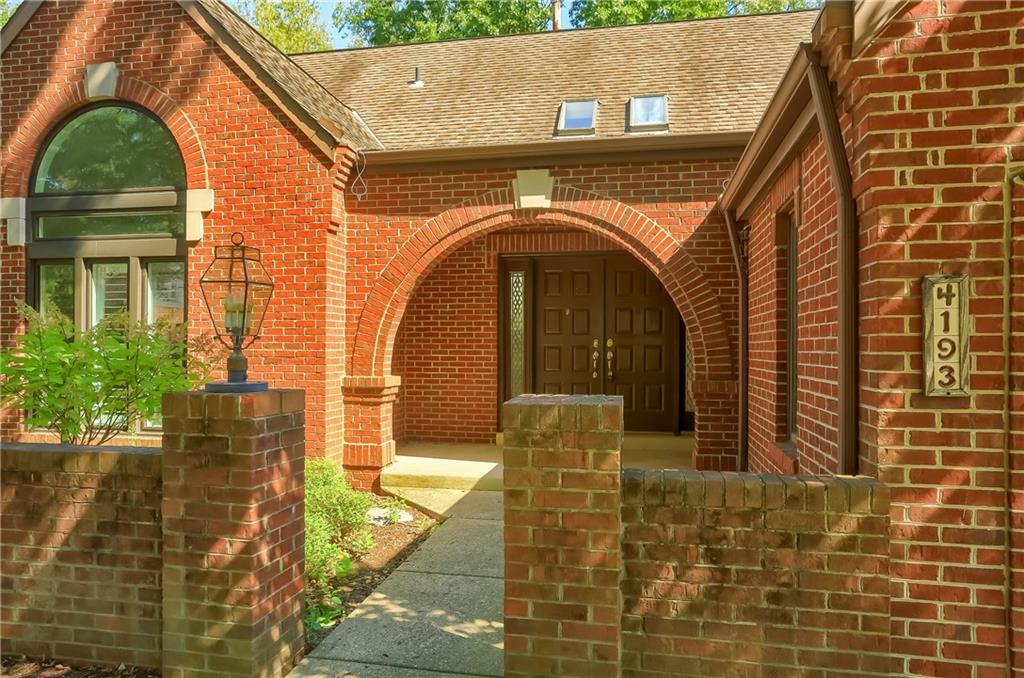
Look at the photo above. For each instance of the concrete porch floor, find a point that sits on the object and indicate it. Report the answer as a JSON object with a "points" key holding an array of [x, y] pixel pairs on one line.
{"points": [[477, 466]]}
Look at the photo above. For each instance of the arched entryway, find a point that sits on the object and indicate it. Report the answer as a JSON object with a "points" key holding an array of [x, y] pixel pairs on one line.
{"points": [[371, 387]]}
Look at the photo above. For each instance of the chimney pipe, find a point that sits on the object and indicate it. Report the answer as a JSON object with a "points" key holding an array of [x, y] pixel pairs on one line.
{"points": [[556, 15]]}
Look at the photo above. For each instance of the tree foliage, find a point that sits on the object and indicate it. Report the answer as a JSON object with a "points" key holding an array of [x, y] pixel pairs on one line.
{"points": [[101, 383], [589, 13], [7, 8], [389, 22], [292, 25]]}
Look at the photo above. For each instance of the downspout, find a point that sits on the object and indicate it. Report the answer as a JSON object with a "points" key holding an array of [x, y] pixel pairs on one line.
{"points": [[842, 180], [1012, 174], [741, 271]]}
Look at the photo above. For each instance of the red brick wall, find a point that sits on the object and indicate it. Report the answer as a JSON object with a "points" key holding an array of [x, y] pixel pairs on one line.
{"points": [[740, 574], [678, 232], [932, 118], [446, 350], [269, 181], [81, 546], [234, 534], [804, 190], [562, 525]]}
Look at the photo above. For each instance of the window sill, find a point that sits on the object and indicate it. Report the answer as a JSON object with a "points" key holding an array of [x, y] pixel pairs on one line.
{"points": [[784, 457]]}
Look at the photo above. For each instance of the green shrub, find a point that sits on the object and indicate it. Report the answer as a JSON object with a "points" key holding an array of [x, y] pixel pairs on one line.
{"points": [[336, 522], [325, 559], [91, 386]]}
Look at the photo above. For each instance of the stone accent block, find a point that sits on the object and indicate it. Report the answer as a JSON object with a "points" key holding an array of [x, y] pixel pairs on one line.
{"points": [[233, 534], [562, 526]]}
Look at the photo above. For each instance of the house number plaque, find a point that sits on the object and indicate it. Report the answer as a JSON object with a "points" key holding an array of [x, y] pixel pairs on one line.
{"points": [[945, 335]]}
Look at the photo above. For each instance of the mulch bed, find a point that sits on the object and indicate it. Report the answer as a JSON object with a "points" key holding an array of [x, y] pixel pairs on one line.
{"points": [[20, 667], [392, 545]]}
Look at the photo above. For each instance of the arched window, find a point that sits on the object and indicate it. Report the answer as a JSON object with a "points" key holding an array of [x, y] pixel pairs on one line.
{"points": [[107, 215]]}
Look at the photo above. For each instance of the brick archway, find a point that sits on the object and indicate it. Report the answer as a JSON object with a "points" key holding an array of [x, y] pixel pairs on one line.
{"points": [[21, 150], [370, 389]]}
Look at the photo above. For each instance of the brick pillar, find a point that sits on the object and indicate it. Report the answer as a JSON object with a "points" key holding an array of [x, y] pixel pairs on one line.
{"points": [[563, 606], [369, 439], [233, 533]]}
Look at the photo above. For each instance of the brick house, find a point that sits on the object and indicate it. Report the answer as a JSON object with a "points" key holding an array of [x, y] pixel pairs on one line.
{"points": [[740, 211]]}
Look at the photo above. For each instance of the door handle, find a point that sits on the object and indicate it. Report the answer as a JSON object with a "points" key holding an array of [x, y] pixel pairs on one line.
{"points": [[595, 357], [610, 356]]}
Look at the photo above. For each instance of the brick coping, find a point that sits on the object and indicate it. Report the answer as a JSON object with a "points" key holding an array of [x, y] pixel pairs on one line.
{"points": [[79, 449]]}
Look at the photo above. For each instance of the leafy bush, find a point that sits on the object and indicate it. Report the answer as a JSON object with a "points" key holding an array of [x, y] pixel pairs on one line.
{"points": [[91, 386], [336, 522]]}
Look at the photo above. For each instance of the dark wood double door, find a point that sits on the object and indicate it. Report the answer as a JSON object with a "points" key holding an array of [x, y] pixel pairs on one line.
{"points": [[597, 324]]}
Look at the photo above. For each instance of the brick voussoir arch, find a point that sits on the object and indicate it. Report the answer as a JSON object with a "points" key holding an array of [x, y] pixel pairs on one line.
{"points": [[61, 101], [571, 207]]}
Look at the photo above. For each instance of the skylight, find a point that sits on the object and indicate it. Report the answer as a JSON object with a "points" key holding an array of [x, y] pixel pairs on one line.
{"points": [[577, 117], [648, 113]]}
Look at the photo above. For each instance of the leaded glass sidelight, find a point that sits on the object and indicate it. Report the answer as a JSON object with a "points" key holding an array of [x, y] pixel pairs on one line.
{"points": [[110, 148], [517, 332]]}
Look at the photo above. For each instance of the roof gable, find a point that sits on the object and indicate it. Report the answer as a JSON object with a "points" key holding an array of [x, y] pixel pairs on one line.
{"points": [[319, 114]]}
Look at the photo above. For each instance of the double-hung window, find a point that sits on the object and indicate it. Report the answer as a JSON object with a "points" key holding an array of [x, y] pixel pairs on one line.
{"points": [[106, 215]]}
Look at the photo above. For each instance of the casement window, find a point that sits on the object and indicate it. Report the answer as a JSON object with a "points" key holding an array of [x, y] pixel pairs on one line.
{"points": [[577, 117], [791, 262], [106, 215], [648, 113]]}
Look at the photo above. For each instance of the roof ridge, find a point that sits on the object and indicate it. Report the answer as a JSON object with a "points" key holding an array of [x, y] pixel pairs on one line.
{"points": [[568, 31]]}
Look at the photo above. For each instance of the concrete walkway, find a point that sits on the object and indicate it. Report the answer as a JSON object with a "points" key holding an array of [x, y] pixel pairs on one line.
{"points": [[440, 613]]}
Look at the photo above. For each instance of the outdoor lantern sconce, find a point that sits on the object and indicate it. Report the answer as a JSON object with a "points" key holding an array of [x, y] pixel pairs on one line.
{"points": [[237, 290]]}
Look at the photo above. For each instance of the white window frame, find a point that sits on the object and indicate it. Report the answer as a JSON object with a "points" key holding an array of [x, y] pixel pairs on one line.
{"points": [[640, 127], [581, 131]]}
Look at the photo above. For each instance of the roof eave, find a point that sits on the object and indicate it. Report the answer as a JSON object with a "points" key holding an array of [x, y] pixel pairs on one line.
{"points": [[17, 21], [322, 137], [559, 147], [790, 100]]}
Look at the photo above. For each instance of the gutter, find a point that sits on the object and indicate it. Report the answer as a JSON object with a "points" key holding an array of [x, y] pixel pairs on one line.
{"points": [[559, 147], [741, 270], [1012, 174], [842, 180]]}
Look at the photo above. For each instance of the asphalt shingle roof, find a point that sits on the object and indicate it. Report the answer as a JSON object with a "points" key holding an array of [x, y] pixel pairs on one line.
{"points": [[719, 75], [309, 94]]}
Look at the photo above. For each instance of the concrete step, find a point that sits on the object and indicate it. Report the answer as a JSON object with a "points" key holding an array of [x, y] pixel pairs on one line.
{"points": [[449, 472], [442, 503]]}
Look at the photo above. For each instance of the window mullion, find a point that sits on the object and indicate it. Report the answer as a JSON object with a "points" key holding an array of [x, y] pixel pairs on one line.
{"points": [[81, 295], [134, 289]]}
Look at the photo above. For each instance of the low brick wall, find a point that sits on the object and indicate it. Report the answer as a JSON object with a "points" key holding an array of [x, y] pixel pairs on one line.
{"points": [[80, 546], [682, 573], [739, 574], [188, 559]]}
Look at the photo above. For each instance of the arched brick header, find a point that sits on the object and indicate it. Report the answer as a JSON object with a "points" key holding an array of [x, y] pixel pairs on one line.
{"points": [[630, 229], [58, 103]]}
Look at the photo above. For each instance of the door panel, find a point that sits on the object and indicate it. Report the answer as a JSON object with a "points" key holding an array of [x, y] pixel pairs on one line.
{"points": [[611, 304], [645, 345], [569, 299]]}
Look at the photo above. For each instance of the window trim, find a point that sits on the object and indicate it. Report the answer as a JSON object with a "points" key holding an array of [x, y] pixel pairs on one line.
{"points": [[792, 335], [83, 251], [635, 127], [560, 129]]}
